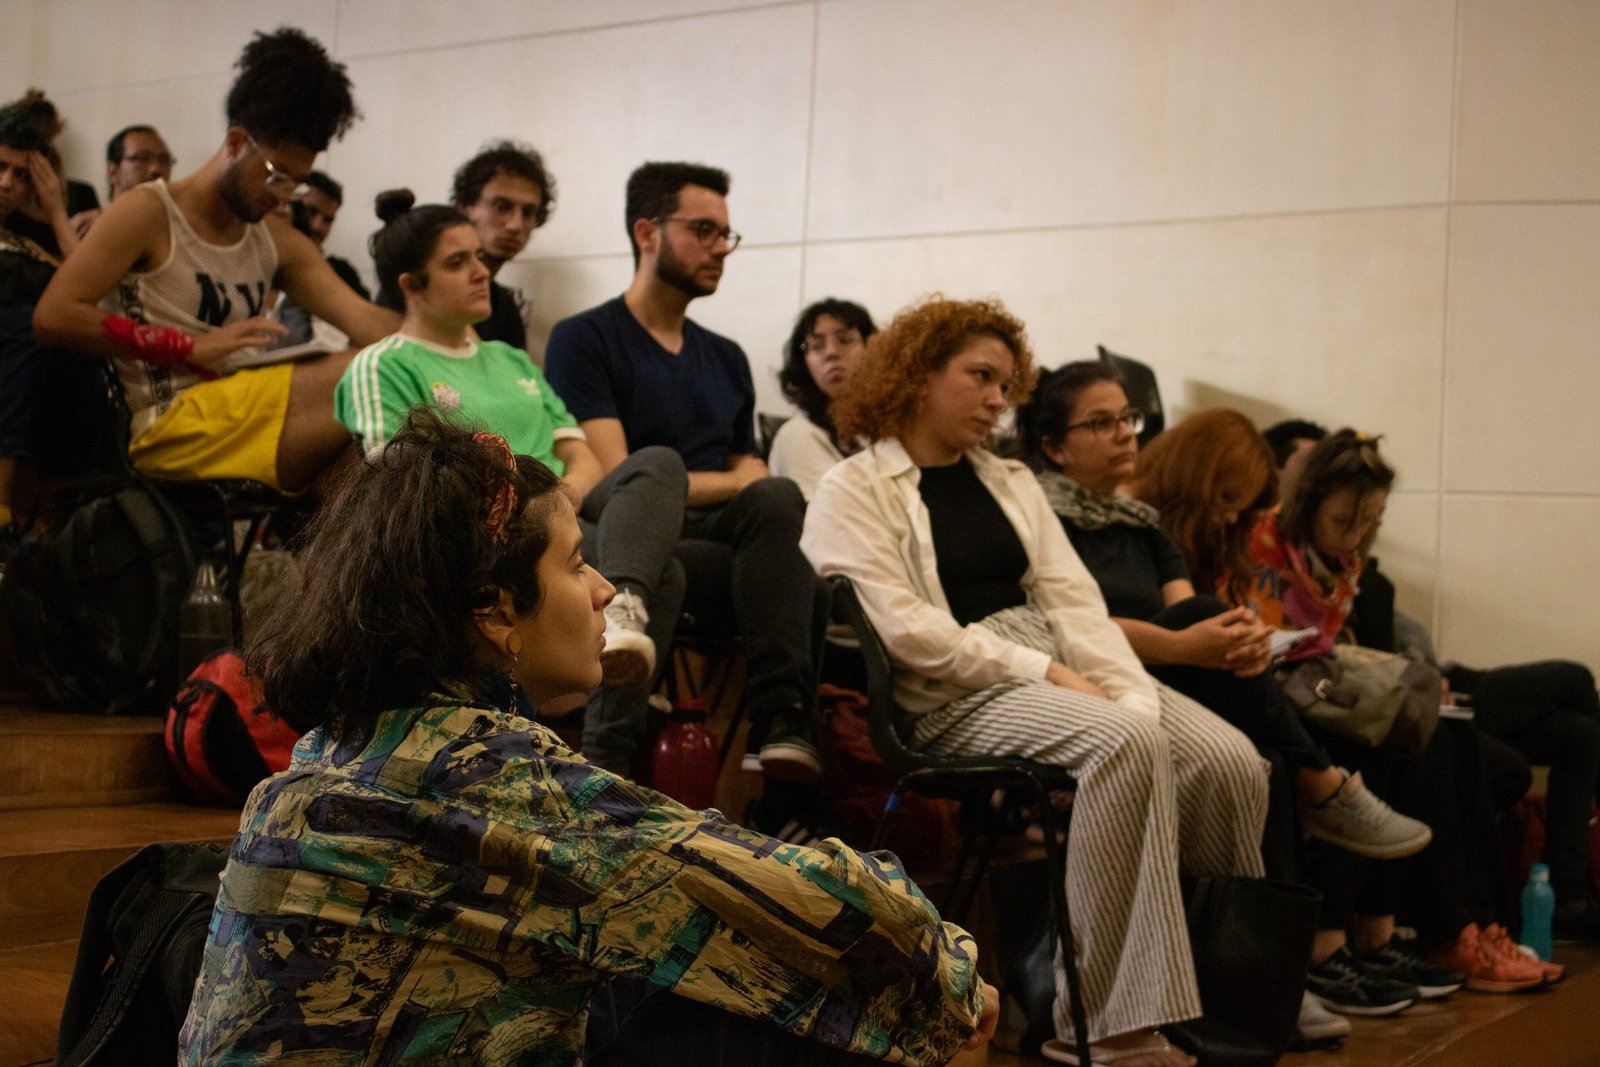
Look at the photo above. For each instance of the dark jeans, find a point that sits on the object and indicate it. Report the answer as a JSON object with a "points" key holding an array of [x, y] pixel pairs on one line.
{"points": [[1548, 711], [743, 559], [633, 1024], [1258, 708], [631, 520]]}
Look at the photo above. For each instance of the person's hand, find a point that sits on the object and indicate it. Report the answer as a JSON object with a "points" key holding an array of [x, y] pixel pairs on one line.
{"points": [[1067, 678], [1447, 699], [573, 494], [255, 332], [83, 220], [750, 470], [1253, 654], [1223, 641], [48, 198], [988, 1018]]}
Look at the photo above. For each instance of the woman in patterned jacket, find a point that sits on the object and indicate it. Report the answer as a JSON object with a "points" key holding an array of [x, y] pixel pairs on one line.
{"points": [[437, 879]]}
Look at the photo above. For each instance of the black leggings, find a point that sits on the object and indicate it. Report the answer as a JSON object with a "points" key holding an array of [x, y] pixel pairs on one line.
{"points": [[1258, 708]]}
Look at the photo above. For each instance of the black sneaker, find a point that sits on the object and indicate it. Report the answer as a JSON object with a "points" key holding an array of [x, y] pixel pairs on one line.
{"points": [[1402, 961], [1345, 986], [787, 754]]}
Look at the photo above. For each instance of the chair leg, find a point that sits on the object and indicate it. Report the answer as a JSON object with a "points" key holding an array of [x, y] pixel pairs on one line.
{"points": [[960, 894], [891, 812], [1056, 863]]}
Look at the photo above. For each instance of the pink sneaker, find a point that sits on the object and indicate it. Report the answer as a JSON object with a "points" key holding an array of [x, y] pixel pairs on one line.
{"points": [[1488, 969], [1499, 939]]}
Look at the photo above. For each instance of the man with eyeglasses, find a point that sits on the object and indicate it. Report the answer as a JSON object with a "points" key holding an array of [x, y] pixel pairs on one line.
{"points": [[135, 155], [507, 194], [174, 278], [637, 372]]}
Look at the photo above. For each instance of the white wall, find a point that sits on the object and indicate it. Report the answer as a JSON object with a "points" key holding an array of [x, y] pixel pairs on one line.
{"points": [[1361, 211]]}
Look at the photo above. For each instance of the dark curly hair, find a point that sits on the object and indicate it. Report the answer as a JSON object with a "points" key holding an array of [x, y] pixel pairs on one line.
{"points": [[289, 92], [1043, 420], [31, 124], [395, 567], [1213, 461], [883, 397], [1342, 460], [795, 377], [513, 159], [1283, 436], [653, 191]]}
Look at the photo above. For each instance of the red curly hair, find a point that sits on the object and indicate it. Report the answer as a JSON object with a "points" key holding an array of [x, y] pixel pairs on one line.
{"points": [[1209, 464], [885, 394]]}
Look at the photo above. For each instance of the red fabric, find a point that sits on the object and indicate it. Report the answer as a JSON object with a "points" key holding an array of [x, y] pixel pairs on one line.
{"points": [[164, 346]]}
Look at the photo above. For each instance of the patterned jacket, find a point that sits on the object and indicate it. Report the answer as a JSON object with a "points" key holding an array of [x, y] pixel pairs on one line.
{"points": [[452, 890]]}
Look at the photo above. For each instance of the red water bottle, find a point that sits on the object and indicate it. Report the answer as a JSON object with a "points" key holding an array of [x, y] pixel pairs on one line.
{"points": [[685, 765]]}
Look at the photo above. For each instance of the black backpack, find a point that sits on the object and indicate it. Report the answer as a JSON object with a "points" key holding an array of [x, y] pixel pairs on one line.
{"points": [[93, 606], [143, 936]]}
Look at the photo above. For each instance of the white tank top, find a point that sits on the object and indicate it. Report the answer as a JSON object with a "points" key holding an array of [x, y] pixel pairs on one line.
{"points": [[200, 286]]}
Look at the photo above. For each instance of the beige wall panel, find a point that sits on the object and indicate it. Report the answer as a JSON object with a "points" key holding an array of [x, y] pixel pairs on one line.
{"points": [[1526, 121], [188, 114], [375, 26], [83, 44], [1333, 317], [16, 47], [595, 105], [950, 116], [1519, 579], [1524, 361]]}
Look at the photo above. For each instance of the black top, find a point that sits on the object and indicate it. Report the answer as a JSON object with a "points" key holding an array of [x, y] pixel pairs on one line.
{"points": [[981, 558], [1130, 564], [505, 319], [349, 275], [80, 197], [700, 402]]}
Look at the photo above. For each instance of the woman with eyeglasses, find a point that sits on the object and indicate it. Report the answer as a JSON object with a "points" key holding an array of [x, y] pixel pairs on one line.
{"points": [[1002, 646], [826, 345], [438, 879]]}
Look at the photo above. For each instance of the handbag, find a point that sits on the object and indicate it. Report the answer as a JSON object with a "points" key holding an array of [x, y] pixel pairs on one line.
{"points": [[1251, 939], [1377, 699]]}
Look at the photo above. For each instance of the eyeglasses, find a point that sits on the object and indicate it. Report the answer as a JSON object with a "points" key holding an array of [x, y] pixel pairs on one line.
{"points": [[1106, 425], [144, 159], [278, 179], [706, 231]]}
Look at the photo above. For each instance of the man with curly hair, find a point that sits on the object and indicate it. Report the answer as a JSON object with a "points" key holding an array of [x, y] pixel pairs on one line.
{"points": [[507, 193], [637, 371], [173, 280]]}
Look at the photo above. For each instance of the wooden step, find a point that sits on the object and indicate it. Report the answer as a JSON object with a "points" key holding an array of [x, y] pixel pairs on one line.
{"points": [[51, 858], [35, 979], [53, 760]]}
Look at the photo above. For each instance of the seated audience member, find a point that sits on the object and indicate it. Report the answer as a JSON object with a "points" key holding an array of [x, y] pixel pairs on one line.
{"points": [[1081, 437], [135, 155], [1547, 711], [26, 181], [315, 213], [438, 879], [430, 267], [187, 268], [507, 194], [1002, 646], [82, 206], [637, 372], [1306, 581], [827, 343]]}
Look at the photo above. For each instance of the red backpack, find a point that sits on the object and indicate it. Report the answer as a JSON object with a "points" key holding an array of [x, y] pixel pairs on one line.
{"points": [[220, 738]]}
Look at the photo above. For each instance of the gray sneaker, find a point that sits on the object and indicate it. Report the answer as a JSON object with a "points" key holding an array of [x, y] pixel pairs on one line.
{"points": [[1359, 822]]}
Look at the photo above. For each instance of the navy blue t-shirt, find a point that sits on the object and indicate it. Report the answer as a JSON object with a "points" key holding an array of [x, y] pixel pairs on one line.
{"points": [[700, 402]]}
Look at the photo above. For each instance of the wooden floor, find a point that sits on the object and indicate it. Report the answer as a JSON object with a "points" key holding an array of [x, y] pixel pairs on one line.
{"points": [[78, 794]]}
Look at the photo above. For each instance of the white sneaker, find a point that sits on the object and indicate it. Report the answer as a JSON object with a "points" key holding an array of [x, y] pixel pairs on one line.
{"points": [[1355, 820], [1317, 1024], [630, 656]]}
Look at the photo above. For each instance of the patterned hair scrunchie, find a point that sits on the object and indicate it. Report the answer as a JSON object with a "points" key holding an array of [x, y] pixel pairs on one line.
{"points": [[505, 493]]}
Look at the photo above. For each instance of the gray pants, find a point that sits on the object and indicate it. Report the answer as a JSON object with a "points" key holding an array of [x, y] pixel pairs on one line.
{"points": [[630, 522]]}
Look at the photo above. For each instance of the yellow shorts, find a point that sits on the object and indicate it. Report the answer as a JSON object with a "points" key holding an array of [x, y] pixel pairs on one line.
{"points": [[228, 428]]}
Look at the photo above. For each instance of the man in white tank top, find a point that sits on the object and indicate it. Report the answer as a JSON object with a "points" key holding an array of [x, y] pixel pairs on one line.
{"points": [[174, 278]]}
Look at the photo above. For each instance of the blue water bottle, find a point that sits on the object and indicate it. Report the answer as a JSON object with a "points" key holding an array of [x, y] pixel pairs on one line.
{"points": [[1538, 908]]}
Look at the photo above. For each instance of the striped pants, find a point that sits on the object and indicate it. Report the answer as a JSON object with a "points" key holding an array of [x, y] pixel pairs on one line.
{"points": [[1188, 790]]}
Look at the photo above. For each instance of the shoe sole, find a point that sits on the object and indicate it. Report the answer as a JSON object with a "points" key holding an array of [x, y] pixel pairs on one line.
{"points": [[1367, 1010], [1487, 985], [624, 669], [1437, 992], [789, 763], [1371, 851]]}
